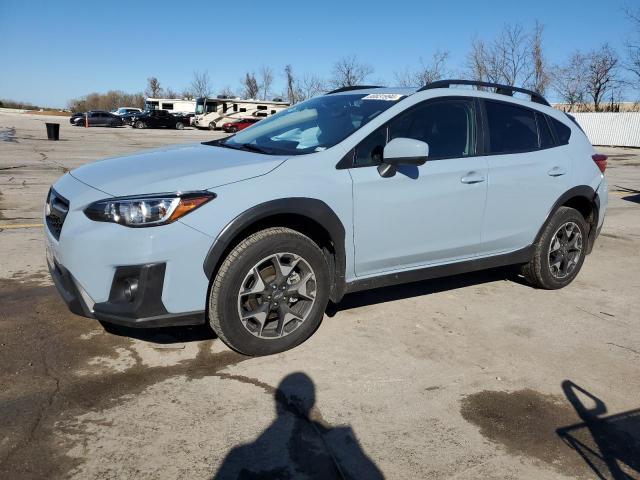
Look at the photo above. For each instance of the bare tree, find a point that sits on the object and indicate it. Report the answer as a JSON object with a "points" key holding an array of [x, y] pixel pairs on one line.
{"points": [[309, 86], [541, 77], [201, 84], [154, 90], [226, 92], [633, 47], [250, 85], [106, 101], [428, 72], [266, 79], [292, 89], [570, 81], [349, 71], [171, 93], [601, 74], [514, 57]]}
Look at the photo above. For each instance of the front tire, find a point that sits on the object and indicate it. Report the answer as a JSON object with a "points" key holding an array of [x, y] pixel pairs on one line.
{"points": [[179, 126], [139, 124], [270, 293], [560, 251], [212, 125]]}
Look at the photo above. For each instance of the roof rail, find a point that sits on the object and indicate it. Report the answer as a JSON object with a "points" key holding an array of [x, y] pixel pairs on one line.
{"points": [[499, 88], [353, 87]]}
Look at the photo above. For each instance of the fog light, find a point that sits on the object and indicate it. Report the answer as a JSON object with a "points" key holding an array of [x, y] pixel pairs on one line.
{"points": [[130, 288]]}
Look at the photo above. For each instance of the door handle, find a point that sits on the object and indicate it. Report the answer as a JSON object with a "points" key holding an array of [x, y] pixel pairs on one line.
{"points": [[556, 172], [471, 178]]}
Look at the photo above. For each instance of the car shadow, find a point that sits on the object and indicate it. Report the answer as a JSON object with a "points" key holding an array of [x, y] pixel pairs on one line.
{"points": [[163, 335], [425, 287], [298, 443], [608, 444]]}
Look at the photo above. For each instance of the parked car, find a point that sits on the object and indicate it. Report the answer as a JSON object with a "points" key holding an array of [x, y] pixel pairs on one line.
{"points": [[157, 119], [73, 117], [357, 189], [127, 118], [236, 126], [125, 110], [97, 118]]}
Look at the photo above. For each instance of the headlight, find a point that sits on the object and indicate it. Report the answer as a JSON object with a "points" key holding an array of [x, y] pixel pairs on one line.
{"points": [[147, 210]]}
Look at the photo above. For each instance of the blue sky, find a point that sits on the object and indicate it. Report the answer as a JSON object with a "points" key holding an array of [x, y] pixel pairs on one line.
{"points": [[51, 51]]}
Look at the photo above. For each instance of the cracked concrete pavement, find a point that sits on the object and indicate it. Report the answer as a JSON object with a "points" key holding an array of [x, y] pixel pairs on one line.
{"points": [[473, 376]]}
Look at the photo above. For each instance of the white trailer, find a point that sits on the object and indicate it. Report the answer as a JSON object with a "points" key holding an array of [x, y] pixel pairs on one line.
{"points": [[213, 112], [172, 105]]}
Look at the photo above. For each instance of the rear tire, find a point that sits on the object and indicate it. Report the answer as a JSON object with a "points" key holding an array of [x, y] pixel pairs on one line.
{"points": [[560, 251], [179, 126], [233, 130], [243, 301], [139, 124]]}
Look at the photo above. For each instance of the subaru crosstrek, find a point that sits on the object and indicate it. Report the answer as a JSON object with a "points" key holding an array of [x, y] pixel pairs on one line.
{"points": [[360, 188]]}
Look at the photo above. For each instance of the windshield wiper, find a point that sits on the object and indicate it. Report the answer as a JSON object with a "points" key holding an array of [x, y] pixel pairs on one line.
{"points": [[240, 146], [253, 148]]}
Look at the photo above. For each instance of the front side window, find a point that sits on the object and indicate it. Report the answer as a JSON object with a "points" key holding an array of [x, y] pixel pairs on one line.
{"points": [[312, 126], [369, 151], [512, 128], [448, 126]]}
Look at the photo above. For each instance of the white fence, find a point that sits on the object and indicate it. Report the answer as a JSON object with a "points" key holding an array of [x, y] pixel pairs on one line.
{"points": [[616, 129]]}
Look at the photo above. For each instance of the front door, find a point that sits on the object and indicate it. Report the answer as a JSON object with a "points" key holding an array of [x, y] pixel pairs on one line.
{"points": [[423, 215]]}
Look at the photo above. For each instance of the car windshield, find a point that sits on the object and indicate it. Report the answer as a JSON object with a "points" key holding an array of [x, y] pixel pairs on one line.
{"points": [[312, 126]]}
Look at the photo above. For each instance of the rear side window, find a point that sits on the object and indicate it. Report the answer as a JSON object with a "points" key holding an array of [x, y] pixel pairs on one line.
{"points": [[563, 133], [448, 126], [546, 138], [511, 128]]}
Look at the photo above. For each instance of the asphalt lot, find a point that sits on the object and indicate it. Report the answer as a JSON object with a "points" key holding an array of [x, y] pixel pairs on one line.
{"points": [[474, 376]]}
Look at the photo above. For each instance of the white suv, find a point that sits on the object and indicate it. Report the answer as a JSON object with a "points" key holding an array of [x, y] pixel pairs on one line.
{"points": [[125, 110], [360, 188]]}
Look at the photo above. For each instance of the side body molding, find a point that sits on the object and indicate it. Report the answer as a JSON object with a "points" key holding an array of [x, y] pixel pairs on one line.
{"points": [[315, 210]]}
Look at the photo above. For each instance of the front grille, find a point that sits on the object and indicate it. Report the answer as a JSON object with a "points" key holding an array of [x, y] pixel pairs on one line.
{"points": [[56, 211]]}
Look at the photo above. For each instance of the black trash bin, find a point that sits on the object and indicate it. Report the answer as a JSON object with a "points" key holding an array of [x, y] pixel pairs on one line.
{"points": [[53, 131]]}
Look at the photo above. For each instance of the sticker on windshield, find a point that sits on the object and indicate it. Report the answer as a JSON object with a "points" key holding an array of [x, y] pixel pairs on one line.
{"points": [[389, 97]]}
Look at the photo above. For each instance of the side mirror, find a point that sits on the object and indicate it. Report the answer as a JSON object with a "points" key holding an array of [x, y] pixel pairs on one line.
{"points": [[405, 151], [402, 151]]}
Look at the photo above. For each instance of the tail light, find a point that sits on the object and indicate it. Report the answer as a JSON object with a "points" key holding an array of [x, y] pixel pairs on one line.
{"points": [[601, 161]]}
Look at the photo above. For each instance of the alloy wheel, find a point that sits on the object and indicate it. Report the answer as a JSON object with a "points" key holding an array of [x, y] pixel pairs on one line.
{"points": [[277, 295], [565, 250]]}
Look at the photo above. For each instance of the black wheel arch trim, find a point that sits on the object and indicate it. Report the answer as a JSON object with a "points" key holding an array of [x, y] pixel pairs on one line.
{"points": [[315, 210], [586, 192]]}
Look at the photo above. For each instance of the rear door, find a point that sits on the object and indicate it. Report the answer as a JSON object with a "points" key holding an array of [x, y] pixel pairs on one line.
{"points": [[528, 172], [424, 214]]}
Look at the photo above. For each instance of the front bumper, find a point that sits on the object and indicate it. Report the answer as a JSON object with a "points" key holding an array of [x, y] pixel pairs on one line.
{"points": [[90, 261], [145, 309]]}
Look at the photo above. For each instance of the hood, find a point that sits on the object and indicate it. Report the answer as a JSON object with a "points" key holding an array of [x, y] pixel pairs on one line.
{"points": [[172, 169]]}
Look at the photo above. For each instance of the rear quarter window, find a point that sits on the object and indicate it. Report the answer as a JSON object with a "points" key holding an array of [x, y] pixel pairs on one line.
{"points": [[563, 132], [546, 138]]}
